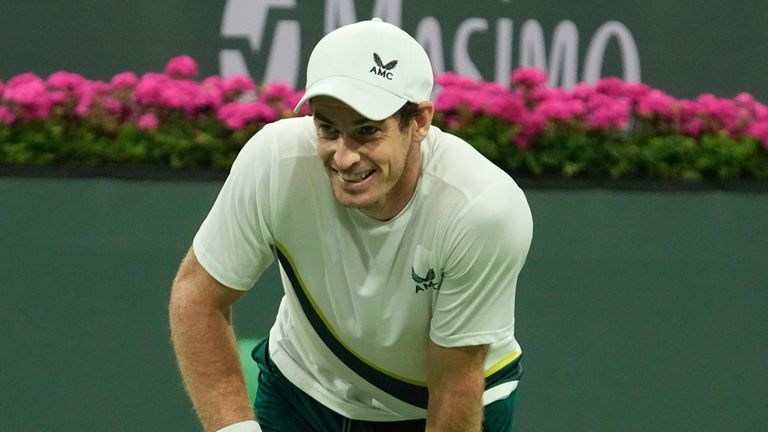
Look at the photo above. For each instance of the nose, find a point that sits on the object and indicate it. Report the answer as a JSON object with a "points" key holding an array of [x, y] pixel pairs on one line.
{"points": [[346, 154]]}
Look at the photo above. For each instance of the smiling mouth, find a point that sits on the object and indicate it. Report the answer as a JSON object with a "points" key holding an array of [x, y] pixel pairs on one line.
{"points": [[356, 177]]}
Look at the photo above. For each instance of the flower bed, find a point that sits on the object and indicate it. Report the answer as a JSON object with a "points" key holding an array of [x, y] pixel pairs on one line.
{"points": [[612, 129]]}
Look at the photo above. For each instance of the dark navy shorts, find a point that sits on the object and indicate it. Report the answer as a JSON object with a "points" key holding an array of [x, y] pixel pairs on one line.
{"points": [[283, 407]]}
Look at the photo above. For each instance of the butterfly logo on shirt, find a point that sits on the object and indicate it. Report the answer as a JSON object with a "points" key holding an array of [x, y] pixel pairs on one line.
{"points": [[430, 281]]}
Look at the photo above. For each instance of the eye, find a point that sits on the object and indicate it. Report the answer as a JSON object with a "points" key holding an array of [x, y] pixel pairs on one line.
{"points": [[327, 131], [367, 131]]}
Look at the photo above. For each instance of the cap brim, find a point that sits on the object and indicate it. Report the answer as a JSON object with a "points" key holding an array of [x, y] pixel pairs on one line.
{"points": [[370, 101]]}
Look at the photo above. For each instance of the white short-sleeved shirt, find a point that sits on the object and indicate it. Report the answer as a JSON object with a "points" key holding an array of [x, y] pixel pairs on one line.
{"points": [[363, 297]]}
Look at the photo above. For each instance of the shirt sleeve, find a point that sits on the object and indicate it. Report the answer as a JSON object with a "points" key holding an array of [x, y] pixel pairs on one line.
{"points": [[485, 253], [234, 241]]}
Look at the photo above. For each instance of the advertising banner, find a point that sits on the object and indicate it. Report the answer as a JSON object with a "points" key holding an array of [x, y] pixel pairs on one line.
{"points": [[684, 47]]}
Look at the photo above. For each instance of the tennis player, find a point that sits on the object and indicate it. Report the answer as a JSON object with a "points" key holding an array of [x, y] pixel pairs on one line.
{"points": [[399, 248]]}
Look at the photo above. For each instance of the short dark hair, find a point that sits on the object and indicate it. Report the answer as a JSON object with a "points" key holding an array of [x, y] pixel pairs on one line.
{"points": [[405, 114]]}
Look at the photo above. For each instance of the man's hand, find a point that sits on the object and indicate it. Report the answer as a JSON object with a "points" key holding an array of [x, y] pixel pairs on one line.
{"points": [[201, 329], [456, 383]]}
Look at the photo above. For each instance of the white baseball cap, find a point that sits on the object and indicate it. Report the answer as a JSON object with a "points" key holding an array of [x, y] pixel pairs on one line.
{"points": [[372, 66]]}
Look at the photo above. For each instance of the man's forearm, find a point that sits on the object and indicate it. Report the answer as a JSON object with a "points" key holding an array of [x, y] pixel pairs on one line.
{"points": [[456, 382], [454, 412], [209, 362]]}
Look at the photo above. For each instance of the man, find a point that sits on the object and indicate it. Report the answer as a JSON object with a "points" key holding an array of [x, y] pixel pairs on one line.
{"points": [[399, 248]]}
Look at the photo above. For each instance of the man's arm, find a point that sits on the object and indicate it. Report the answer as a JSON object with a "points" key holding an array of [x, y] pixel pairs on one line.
{"points": [[204, 341], [456, 383]]}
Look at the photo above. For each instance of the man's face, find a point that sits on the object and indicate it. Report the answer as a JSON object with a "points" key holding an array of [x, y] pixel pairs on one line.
{"points": [[373, 166]]}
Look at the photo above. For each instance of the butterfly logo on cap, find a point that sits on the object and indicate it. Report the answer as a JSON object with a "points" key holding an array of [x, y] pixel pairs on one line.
{"points": [[381, 69]]}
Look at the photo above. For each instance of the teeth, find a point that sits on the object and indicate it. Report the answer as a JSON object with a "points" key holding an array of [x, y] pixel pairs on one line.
{"points": [[355, 177]]}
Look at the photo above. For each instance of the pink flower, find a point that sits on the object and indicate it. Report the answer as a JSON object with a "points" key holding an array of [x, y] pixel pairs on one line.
{"points": [[2, 86], [280, 96], [29, 91], [22, 79], [687, 110], [182, 67], [124, 80], [610, 86], [745, 99], [761, 111], [506, 107], [450, 79], [214, 81], [541, 94], [161, 91], [613, 116], [603, 113], [111, 104], [477, 101], [449, 99], [210, 93], [6, 115], [582, 91], [277, 94], [707, 104], [235, 85], [99, 87], [533, 124], [656, 102], [759, 130], [554, 110], [25, 89], [84, 103], [63, 80], [58, 97], [236, 115], [560, 109], [458, 91], [693, 127], [491, 89], [529, 77], [210, 99], [181, 94], [149, 88], [636, 91], [148, 121], [232, 116], [86, 95], [719, 114]]}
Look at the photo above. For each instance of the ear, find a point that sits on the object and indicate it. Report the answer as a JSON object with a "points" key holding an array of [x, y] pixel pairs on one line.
{"points": [[423, 121]]}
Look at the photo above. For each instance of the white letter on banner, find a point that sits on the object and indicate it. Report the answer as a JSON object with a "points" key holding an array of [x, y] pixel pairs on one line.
{"points": [[339, 13], [504, 51], [390, 11], [564, 59], [283, 62], [532, 51], [629, 55], [248, 19], [231, 62], [430, 36], [462, 62]]}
